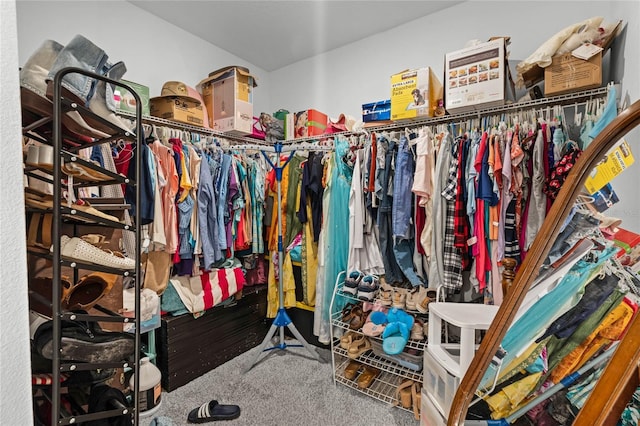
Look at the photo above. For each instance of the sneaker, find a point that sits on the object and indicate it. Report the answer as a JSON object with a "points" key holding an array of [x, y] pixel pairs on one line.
{"points": [[84, 342], [368, 288], [352, 281]]}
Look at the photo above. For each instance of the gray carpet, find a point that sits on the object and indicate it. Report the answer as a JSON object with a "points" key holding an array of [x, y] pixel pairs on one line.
{"points": [[286, 387]]}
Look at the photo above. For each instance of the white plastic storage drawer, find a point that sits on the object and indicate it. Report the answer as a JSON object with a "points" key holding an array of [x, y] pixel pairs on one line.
{"points": [[439, 383], [429, 414]]}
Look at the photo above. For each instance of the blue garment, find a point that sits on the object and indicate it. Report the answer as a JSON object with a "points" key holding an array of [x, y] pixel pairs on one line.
{"points": [[485, 183], [610, 112], [401, 211], [549, 307], [144, 212], [207, 216], [222, 188], [337, 226], [384, 172], [185, 208], [403, 253]]}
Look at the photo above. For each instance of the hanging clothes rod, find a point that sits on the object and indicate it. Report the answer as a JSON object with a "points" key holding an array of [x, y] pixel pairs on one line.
{"points": [[279, 147]]}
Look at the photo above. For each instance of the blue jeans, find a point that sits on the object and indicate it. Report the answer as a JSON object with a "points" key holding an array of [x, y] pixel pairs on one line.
{"points": [[392, 271], [403, 253], [185, 208], [82, 53], [402, 195]]}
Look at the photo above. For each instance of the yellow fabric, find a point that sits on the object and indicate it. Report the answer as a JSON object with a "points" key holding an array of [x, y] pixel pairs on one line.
{"points": [[610, 329], [525, 359], [288, 285], [272, 235], [509, 399], [185, 179], [309, 260]]}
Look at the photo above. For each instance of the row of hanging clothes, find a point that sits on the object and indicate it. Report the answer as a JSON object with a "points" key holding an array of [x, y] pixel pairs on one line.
{"points": [[443, 205]]}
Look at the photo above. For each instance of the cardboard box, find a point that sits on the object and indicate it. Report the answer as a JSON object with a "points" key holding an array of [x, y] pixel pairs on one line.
{"points": [[415, 93], [177, 109], [569, 74], [125, 102], [376, 111], [228, 96], [476, 77], [309, 122]]}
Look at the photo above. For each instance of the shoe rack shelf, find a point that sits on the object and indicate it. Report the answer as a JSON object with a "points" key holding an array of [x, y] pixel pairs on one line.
{"points": [[67, 171], [391, 374], [81, 177], [383, 387]]}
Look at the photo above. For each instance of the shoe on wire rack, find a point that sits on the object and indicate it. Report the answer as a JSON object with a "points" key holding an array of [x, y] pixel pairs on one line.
{"points": [[352, 282], [368, 288]]}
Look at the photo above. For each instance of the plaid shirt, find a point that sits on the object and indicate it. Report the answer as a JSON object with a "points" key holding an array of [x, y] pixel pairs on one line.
{"points": [[460, 218], [449, 191]]}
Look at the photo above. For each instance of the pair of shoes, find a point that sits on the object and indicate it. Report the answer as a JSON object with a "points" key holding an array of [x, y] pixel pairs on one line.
{"points": [[367, 377], [358, 346], [76, 249], [352, 282], [347, 338], [368, 288], [399, 298], [425, 296], [40, 156], [352, 369], [417, 330], [85, 294], [375, 324], [408, 396], [84, 343], [354, 316], [397, 332], [211, 411], [385, 293], [39, 200]]}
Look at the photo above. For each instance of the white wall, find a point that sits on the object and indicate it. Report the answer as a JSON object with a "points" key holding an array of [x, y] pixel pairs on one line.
{"points": [[15, 365], [153, 50], [342, 80]]}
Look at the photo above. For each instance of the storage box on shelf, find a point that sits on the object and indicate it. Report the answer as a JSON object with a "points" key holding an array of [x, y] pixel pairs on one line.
{"points": [[228, 96], [178, 109], [376, 111], [415, 93], [477, 77], [126, 102], [309, 122]]}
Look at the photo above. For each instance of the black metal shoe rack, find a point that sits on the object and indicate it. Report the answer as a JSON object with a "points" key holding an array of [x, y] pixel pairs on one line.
{"points": [[49, 130]]}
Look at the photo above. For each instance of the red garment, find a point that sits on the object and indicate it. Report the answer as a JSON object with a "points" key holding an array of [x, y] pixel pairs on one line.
{"points": [[122, 158], [461, 231], [372, 167]]}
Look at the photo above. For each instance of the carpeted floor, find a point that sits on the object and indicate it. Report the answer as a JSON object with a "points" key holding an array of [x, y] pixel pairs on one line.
{"points": [[286, 387]]}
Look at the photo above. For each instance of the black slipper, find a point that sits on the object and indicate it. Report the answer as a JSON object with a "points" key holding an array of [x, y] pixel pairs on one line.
{"points": [[212, 411]]}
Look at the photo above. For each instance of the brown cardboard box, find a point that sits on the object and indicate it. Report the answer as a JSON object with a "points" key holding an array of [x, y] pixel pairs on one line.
{"points": [[228, 96], [568, 74], [177, 109]]}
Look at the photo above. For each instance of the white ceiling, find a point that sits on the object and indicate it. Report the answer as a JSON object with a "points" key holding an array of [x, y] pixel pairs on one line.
{"points": [[274, 34]]}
